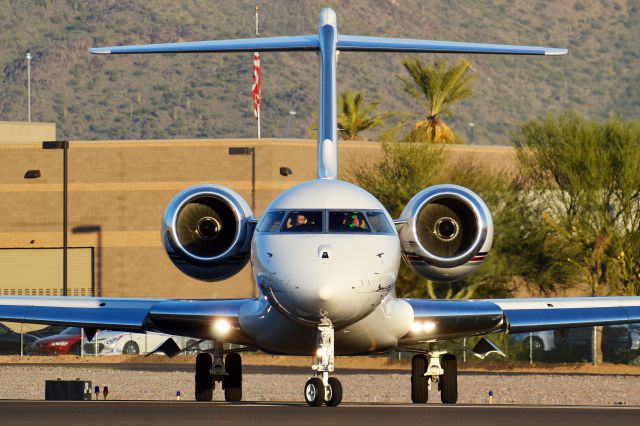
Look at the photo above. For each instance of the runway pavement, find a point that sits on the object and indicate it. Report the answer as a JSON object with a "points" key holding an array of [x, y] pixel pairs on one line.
{"points": [[182, 412]]}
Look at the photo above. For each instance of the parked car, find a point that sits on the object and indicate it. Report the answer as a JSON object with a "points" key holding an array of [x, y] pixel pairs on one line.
{"points": [[10, 341], [621, 343], [51, 330], [126, 343], [542, 341], [575, 345], [67, 342]]}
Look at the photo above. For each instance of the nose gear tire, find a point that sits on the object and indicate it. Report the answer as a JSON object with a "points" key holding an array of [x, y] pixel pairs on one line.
{"points": [[314, 392], [336, 393]]}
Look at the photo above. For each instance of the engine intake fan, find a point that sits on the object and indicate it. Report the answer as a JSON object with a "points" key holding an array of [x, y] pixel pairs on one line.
{"points": [[207, 232], [447, 232]]}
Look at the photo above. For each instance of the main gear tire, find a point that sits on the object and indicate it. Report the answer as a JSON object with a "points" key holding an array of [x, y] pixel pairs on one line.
{"points": [[232, 382], [419, 383], [204, 379]]}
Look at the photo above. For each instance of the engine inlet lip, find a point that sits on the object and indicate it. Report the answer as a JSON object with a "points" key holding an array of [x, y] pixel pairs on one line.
{"points": [[477, 206], [194, 193], [438, 231]]}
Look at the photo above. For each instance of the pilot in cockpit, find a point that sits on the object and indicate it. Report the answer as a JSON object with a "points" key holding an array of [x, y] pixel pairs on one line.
{"points": [[300, 220], [354, 222]]}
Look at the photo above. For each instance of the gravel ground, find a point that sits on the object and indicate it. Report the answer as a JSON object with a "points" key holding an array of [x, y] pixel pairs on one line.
{"points": [[22, 382]]}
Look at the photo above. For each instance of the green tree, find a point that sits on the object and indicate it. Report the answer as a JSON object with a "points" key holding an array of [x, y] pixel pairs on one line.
{"points": [[435, 87], [405, 169], [586, 176], [355, 115]]}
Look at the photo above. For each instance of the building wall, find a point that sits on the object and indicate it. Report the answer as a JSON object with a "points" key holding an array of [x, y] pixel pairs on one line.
{"points": [[118, 191], [16, 131]]}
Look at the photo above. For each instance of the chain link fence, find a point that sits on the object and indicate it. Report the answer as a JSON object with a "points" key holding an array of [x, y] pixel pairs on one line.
{"points": [[34, 339], [617, 344]]}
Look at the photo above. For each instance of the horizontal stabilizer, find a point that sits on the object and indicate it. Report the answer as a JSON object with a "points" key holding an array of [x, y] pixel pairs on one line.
{"points": [[273, 44], [345, 43], [383, 44]]}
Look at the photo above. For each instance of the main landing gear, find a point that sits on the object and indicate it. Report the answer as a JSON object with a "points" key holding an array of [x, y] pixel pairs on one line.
{"points": [[323, 389], [434, 367], [210, 368]]}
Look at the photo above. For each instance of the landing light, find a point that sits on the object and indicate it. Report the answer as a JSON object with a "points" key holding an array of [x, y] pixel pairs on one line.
{"points": [[427, 326], [222, 326]]}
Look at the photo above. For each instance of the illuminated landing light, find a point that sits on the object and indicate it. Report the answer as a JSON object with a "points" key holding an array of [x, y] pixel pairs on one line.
{"points": [[320, 353], [221, 326], [428, 326]]}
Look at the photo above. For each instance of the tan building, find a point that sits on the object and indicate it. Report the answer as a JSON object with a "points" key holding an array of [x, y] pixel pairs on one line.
{"points": [[17, 131], [118, 191]]}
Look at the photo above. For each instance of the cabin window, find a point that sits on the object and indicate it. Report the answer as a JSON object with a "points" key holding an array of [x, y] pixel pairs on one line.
{"points": [[303, 221], [271, 222]]}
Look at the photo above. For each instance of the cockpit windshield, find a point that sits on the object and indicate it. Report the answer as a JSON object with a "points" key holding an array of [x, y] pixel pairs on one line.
{"points": [[337, 221], [303, 221]]}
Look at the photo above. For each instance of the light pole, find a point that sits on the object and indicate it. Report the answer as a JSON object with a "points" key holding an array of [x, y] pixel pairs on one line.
{"points": [[292, 113], [245, 150], [64, 146], [471, 126], [29, 85]]}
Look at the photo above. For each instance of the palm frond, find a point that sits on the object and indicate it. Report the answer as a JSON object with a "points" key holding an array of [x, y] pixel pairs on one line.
{"points": [[435, 87]]}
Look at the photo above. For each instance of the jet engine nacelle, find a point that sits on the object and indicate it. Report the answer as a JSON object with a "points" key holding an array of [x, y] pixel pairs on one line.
{"points": [[447, 234], [207, 232]]}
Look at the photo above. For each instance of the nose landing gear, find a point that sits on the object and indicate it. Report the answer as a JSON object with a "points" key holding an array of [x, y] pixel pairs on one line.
{"points": [[441, 369], [322, 388]]}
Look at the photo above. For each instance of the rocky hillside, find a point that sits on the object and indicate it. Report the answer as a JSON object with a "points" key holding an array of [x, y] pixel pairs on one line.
{"points": [[92, 97]]}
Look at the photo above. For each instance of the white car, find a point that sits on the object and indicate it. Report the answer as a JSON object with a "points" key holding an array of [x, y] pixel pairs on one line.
{"points": [[126, 343]]}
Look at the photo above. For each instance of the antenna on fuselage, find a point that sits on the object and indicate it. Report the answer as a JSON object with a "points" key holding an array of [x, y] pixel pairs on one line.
{"points": [[328, 42]]}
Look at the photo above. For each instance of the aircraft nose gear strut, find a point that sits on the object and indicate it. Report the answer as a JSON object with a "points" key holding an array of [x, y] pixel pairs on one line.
{"points": [[322, 388]]}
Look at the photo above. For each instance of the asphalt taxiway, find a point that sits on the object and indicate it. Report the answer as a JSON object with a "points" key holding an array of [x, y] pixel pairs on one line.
{"points": [[248, 413]]}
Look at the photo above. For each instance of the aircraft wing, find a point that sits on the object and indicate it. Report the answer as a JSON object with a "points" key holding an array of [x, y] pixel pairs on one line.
{"points": [[192, 318], [447, 319], [525, 315]]}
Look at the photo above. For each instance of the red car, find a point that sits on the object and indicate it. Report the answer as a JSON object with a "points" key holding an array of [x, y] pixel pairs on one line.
{"points": [[67, 342]]}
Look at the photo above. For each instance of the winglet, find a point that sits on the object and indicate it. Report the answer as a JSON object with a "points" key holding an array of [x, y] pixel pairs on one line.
{"points": [[551, 51], [100, 50]]}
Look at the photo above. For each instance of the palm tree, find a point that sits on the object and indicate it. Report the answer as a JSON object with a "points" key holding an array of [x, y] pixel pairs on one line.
{"points": [[435, 87], [355, 115]]}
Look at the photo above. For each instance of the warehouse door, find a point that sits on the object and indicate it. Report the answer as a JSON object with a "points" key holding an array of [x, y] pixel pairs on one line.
{"points": [[38, 272]]}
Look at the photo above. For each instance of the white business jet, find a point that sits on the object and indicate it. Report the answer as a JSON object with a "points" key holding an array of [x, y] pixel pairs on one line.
{"points": [[325, 255]]}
